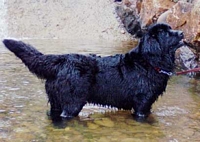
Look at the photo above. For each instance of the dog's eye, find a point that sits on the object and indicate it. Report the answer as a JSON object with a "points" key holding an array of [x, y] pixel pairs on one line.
{"points": [[167, 34]]}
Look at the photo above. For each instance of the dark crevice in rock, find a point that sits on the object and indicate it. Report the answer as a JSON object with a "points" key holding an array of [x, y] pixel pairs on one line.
{"points": [[130, 20]]}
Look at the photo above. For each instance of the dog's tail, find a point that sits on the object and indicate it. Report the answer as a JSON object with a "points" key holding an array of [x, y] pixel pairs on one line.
{"points": [[43, 66]]}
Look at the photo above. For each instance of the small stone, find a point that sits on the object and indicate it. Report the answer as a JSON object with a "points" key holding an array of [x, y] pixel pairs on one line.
{"points": [[67, 129], [103, 139], [2, 111], [92, 126], [122, 32], [131, 140], [105, 122]]}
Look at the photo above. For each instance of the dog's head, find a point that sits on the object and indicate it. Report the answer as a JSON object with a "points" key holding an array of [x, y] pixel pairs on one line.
{"points": [[161, 39]]}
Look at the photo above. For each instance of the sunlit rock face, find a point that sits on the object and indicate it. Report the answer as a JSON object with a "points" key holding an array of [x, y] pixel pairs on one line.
{"points": [[151, 10], [180, 14]]}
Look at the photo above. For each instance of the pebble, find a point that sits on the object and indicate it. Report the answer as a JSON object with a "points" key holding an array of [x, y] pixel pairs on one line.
{"points": [[67, 129], [131, 140], [122, 32], [92, 125], [2, 111], [103, 139]]}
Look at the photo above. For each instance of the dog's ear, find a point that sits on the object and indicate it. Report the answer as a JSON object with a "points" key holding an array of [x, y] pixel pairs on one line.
{"points": [[149, 45]]}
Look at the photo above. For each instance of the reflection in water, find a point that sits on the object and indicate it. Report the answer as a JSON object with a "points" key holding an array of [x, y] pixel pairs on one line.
{"points": [[23, 105]]}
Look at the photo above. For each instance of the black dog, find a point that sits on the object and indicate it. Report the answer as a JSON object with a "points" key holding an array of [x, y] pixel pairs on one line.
{"points": [[129, 81]]}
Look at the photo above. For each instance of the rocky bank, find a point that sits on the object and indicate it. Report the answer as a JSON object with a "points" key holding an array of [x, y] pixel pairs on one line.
{"points": [[98, 19], [183, 15], [180, 14]]}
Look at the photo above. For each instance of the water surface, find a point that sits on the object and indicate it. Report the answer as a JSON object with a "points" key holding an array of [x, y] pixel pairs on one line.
{"points": [[23, 105]]}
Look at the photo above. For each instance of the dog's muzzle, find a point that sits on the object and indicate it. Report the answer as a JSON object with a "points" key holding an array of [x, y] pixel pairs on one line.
{"points": [[180, 34]]}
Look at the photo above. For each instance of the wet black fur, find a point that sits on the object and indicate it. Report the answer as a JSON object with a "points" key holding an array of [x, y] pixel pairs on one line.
{"points": [[124, 80]]}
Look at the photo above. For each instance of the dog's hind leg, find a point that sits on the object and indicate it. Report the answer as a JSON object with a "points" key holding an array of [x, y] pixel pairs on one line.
{"points": [[73, 99], [64, 107], [54, 100], [73, 96], [55, 109]]}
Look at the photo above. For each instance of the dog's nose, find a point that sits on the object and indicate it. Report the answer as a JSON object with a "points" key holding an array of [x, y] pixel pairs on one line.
{"points": [[180, 33]]}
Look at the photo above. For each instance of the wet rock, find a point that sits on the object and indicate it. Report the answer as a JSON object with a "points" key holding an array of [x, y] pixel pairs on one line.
{"points": [[131, 140], [2, 111], [67, 129], [104, 122], [151, 10], [189, 132], [103, 139], [23, 137], [43, 136], [92, 125], [186, 58], [66, 138], [186, 17], [170, 111], [22, 130]]}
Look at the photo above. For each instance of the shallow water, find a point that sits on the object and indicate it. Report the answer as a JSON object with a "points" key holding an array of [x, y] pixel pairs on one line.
{"points": [[23, 105]]}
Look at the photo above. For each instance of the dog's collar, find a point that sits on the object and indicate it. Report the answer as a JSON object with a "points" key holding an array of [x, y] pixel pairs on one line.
{"points": [[159, 70]]}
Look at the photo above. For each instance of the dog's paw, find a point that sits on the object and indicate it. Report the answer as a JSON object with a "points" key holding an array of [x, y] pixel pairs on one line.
{"points": [[140, 117], [65, 115], [54, 115]]}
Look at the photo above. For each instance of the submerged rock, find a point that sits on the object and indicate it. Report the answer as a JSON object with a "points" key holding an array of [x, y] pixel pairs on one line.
{"points": [[92, 125], [106, 122]]}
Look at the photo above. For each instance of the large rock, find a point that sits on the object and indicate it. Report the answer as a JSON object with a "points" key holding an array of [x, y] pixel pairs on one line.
{"points": [[186, 17], [151, 10], [185, 58]]}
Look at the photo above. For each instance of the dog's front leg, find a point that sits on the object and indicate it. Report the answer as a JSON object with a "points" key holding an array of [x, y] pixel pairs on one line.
{"points": [[142, 106], [72, 109]]}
